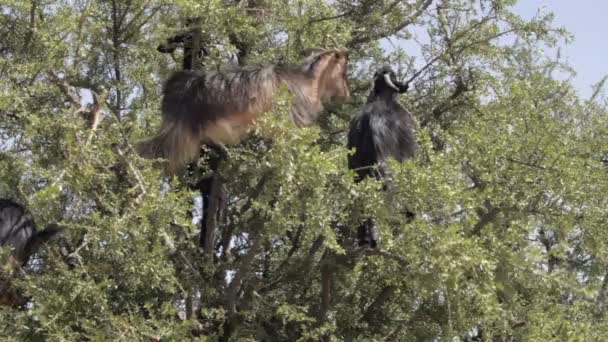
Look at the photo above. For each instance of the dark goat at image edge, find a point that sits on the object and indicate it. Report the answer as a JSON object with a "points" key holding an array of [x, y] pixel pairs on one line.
{"points": [[18, 231]]}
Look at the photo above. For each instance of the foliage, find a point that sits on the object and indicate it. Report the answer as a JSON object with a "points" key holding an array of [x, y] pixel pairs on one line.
{"points": [[508, 188]]}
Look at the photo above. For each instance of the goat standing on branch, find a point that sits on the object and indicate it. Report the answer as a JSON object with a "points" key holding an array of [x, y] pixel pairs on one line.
{"points": [[219, 107], [382, 130]]}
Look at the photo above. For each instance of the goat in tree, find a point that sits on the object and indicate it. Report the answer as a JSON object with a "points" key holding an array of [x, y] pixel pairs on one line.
{"points": [[18, 232], [220, 107], [382, 130]]}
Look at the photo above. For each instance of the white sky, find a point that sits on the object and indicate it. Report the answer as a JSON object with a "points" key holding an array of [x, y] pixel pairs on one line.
{"points": [[587, 20]]}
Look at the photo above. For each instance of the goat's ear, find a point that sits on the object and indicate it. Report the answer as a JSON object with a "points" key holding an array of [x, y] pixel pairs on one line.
{"points": [[341, 54], [322, 61]]}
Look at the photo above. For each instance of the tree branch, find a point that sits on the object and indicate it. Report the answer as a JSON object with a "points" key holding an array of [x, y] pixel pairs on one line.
{"points": [[362, 39], [211, 224], [32, 28], [377, 304], [235, 285], [303, 269], [66, 88], [327, 276]]}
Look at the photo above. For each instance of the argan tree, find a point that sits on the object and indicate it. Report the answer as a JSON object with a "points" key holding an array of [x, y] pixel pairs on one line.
{"points": [[508, 186]]}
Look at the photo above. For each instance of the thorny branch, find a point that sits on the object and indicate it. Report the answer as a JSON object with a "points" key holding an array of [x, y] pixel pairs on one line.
{"points": [[362, 39]]}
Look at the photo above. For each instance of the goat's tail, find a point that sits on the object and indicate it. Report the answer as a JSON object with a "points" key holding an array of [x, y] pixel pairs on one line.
{"points": [[175, 142]]}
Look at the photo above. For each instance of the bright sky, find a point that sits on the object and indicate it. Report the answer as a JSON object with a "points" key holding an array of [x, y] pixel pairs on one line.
{"points": [[587, 20]]}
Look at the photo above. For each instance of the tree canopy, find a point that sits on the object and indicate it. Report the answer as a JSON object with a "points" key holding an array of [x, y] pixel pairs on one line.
{"points": [[508, 186]]}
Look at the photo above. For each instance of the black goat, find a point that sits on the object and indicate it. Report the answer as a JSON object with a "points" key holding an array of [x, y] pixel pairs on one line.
{"points": [[18, 231], [382, 130]]}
